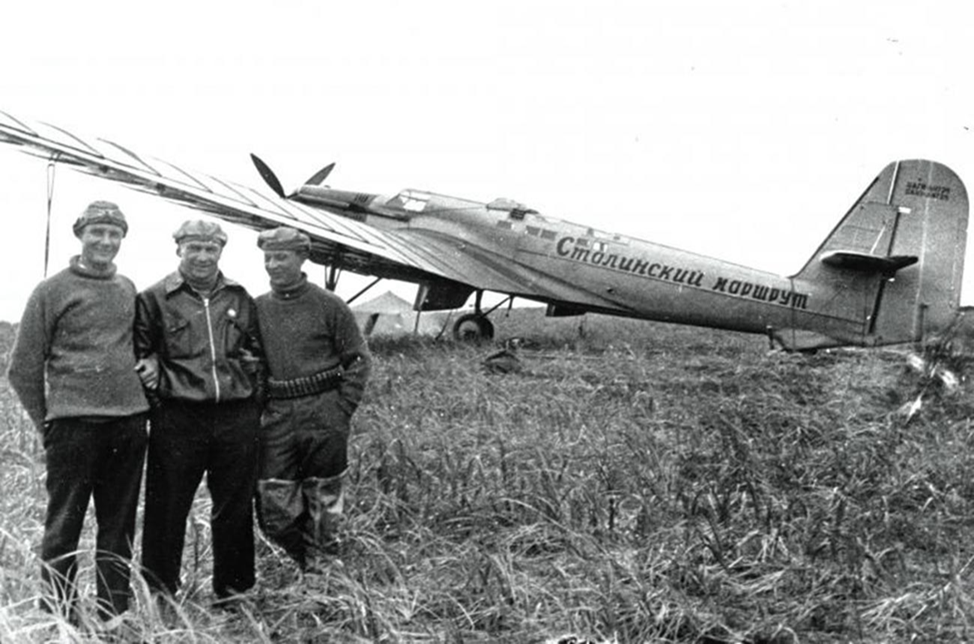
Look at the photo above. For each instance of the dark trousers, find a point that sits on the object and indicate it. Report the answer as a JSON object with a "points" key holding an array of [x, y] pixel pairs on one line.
{"points": [[187, 440], [303, 456], [88, 459], [304, 437]]}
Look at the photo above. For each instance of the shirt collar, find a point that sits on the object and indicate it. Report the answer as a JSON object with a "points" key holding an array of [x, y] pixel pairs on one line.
{"points": [[175, 281]]}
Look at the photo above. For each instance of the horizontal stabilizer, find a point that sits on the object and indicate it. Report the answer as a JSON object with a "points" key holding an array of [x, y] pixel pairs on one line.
{"points": [[866, 263]]}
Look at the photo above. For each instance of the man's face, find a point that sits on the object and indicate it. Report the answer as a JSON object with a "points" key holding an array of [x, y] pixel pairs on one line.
{"points": [[100, 244], [283, 266], [200, 259]]}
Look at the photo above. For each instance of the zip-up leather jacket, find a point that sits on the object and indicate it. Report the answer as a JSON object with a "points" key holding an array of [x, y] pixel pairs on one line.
{"points": [[207, 349]]}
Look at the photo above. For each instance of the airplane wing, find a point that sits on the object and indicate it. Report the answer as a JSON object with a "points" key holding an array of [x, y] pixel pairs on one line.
{"points": [[403, 254], [337, 240]]}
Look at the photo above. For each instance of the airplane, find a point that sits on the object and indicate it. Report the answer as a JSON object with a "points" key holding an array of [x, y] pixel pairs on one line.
{"points": [[889, 273]]}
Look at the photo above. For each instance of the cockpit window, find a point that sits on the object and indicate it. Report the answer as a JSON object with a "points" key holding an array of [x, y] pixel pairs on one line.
{"points": [[410, 200], [514, 209]]}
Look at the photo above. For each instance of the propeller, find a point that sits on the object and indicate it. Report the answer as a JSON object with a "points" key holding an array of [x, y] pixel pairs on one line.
{"points": [[268, 175], [319, 177], [274, 183]]}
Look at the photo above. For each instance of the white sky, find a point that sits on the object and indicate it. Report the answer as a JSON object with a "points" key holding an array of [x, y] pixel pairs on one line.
{"points": [[741, 130]]}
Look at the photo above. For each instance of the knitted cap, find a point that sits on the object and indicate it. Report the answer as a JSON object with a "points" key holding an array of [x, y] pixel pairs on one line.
{"points": [[284, 238], [199, 230], [100, 212]]}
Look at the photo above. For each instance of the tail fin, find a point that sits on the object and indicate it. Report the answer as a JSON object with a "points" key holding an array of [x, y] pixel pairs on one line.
{"points": [[896, 259]]}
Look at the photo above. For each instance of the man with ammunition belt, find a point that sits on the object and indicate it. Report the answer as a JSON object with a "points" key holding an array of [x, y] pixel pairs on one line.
{"points": [[318, 364]]}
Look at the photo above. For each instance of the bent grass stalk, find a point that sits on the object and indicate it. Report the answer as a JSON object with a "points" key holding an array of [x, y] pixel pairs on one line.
{"points": [[643, 483]]}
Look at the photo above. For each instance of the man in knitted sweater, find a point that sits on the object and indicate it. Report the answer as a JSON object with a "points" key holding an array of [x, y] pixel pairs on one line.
{"points": [[318, 364], [73, 368]]}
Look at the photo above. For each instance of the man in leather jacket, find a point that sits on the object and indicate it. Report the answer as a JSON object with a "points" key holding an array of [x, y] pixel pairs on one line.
{"points": [[201, 361]]}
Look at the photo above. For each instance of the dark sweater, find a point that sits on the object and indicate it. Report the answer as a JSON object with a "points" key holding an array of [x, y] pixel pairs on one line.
{"points": [[307, 330], [76, 336]]}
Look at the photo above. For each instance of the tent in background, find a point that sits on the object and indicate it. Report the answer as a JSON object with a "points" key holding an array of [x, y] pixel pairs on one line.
{"points": [[389, 314]]}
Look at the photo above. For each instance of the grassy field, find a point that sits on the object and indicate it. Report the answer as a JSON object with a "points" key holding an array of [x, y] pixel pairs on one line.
{"points": [[620, 482]]}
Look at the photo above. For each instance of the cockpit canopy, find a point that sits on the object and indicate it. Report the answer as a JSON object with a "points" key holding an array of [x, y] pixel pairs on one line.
{"points": [[516, 209], [413, 201]]}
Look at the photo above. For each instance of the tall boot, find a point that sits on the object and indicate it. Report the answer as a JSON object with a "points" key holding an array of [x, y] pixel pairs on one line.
{"points": [[280, 507], [325, 503]]}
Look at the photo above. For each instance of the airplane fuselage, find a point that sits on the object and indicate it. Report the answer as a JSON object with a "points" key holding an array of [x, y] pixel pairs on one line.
{"points": [[618, 274]]}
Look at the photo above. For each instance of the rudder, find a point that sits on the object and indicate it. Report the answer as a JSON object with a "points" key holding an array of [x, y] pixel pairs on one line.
{"points": [[897, 258]]}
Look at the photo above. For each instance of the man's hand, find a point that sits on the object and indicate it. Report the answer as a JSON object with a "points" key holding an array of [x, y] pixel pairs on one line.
{"points": [[148, 370]]}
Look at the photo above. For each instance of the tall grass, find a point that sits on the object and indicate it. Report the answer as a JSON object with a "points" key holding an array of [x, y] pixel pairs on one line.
{"points": [[627, 482]]}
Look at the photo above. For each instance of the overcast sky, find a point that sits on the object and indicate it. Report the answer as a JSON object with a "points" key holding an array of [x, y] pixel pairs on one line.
{"points": [[741, 130]]}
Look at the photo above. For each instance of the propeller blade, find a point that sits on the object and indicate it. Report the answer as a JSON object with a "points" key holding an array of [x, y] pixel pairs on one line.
{"points": [[319, 177], [268, 175]]}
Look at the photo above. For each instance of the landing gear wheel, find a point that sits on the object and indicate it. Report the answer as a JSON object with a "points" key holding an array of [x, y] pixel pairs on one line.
{"points": [[473, 327]]}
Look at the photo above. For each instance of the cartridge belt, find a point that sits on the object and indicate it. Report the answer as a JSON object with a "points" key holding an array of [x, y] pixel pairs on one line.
{"points": [[305, 386]]}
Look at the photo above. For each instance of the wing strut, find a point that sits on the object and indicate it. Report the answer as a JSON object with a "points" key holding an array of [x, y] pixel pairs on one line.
{"points": [[332, 273], [363, 291], [51, 166]]}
